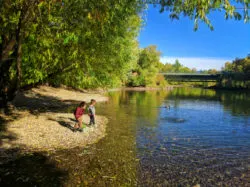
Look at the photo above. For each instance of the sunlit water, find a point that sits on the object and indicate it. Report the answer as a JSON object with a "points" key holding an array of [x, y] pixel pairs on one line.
{"points": [[203, 138], [196, 141]]}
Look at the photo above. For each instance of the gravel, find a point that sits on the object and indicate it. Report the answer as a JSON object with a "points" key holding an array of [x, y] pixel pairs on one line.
{"points": [[30, 129]]}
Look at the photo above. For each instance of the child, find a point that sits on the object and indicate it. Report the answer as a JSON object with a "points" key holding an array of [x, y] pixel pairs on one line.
{"points": [[78, 115], [92, 112]]}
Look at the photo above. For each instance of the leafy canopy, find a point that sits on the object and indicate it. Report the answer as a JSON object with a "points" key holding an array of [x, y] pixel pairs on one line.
{"points": [[198, 10]]}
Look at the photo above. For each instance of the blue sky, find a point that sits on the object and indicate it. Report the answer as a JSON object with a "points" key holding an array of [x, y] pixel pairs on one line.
{"points": [[203, 49]]}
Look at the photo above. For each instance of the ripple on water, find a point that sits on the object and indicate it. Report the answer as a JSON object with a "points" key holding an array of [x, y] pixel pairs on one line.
{"points": [[173, 119]]}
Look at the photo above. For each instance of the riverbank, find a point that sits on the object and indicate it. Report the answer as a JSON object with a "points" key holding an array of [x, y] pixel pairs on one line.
{"points": [[51, 131], [144, 88], [39, 121]]}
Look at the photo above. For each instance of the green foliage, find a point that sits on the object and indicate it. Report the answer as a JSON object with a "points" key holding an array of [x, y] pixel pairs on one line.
{"points": [[106, 47], [177, 67], [239, 65], [136, 80], [198, 10], [86, 39], [161, 81], [149, 57], [145, 73], [236, 74]]}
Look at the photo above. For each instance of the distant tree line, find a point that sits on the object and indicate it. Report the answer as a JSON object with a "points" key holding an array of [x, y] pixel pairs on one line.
{"points": [[236, 74], [239, 65], [177, 67]]}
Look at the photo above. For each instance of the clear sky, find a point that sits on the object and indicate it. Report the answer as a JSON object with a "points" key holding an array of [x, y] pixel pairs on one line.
{"points": [[203, 49]]}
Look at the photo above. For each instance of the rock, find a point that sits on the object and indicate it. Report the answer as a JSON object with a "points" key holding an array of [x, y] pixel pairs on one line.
{"points": [[197, 185]]}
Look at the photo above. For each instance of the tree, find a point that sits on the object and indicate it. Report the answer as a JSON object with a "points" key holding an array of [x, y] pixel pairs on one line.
{"points": [[149, 56], [228, 67], [17, 17], [212, 71], [49, 40], [148, 65], [177, 66], [198, 10], [167, 68], [239, 65]]}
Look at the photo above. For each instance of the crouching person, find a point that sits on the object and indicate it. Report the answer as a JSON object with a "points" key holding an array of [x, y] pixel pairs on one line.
{"points": [[79, 111]]}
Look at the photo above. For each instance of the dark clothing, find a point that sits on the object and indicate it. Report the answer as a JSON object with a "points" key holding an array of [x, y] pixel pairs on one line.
{"points": [[78, 112], [92, 119], [92, 115]]}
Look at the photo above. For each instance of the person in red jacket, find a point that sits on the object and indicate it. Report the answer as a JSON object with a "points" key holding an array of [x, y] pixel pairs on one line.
{"points": [[78, 115]]}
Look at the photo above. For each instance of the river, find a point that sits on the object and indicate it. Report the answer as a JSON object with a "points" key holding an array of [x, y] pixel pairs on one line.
{"points": [[180, 137]]}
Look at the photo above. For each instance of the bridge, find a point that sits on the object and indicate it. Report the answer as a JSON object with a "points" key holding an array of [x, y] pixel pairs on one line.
{"points": [[191, 77], [200, 77]]}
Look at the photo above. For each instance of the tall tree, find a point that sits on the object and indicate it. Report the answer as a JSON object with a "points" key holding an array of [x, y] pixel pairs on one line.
{"points": [[149, 56], [46, 39], [177, 66], [16, 19]]}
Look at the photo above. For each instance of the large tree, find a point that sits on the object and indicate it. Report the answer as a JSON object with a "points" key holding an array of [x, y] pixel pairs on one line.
{"points": [[17, 17], [48, 39]]}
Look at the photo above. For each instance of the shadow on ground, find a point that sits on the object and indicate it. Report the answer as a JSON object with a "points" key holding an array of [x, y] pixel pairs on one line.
{"points": [[26, 169], [37, 103], [19, 168], [6, 136], [33, 169], [65, 122]]}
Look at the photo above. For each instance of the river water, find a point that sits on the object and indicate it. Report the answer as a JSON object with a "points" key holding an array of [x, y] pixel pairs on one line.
{"points": [[180, 137]]}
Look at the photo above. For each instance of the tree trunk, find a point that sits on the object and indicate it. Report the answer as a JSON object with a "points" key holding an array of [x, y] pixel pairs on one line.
{"points": [[5, 82], [5, 63], [18, 63], [5, 50], [8, 88], [15, 86]]}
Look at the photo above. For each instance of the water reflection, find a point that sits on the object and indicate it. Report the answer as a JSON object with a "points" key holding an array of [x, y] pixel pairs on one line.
{"points": [[236, 102], [204, 138]]}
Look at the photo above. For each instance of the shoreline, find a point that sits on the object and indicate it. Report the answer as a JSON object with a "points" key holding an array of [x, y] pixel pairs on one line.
{"points": [[172, 87], [41, 119], [33, 109], [52, 131], [144, 88]]}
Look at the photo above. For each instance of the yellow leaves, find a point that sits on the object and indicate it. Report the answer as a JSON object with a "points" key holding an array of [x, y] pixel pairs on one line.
{"points": [[85, 182], [89, 16], [40, 4], [59, 161], [109, 177]]}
